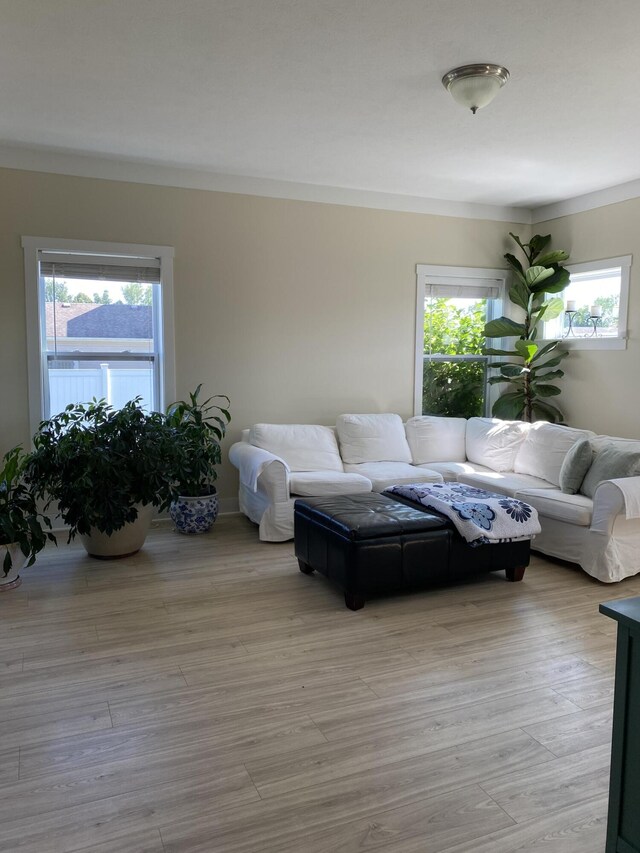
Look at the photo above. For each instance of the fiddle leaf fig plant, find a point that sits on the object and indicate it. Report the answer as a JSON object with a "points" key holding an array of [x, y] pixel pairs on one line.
{"points": [[530, 368]]}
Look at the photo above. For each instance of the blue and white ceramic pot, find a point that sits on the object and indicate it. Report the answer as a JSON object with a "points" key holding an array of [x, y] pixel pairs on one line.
{"points": [[194, 514]]}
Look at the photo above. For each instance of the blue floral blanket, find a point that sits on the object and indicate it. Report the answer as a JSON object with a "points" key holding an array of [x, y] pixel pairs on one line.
{"points": [[480, 517]]}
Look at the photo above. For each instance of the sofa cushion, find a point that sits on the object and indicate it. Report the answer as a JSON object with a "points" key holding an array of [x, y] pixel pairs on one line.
{"points": [[319, 483], [451, 470], [609, 463], [385, 474], [494, 443], [574, 509], [434, 439], [372, 438], [504, 483], [575, 465], [542, 452], [304, 447]]}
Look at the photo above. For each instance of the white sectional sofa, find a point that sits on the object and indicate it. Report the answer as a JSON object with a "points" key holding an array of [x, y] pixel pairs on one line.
{"points": [[598, 527]]}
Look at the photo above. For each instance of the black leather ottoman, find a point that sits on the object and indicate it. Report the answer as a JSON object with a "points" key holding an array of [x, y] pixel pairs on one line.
{"points": [[369, 544]]}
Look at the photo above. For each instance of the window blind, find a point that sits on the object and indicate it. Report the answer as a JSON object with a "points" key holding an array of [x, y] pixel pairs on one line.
{"points": [[434, 290], [144, 270]]}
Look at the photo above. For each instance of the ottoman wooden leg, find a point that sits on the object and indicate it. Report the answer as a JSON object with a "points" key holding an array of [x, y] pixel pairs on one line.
{"points": [[516, 573], [354, 601], [305, 568]]}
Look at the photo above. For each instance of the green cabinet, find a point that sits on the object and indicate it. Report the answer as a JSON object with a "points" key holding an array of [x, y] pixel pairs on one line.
{"points": [[623, 826]]}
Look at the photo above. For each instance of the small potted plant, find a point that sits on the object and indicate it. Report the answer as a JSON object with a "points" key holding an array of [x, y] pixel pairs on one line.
{"points": [[106, 470], [22, 527], [197, 429]]}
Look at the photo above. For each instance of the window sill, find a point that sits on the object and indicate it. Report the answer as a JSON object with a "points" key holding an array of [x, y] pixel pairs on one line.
{"points": [[592, 343]]}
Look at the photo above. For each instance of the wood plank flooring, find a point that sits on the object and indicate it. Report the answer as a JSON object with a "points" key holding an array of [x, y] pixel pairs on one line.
{"points": [[204, 696]]}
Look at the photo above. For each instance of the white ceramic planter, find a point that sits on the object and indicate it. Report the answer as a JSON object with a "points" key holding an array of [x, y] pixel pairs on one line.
{"points": [[13, 579], [121, 543]]}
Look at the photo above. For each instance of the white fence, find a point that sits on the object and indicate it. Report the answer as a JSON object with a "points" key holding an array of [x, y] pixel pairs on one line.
{"points": [[117, 385]]}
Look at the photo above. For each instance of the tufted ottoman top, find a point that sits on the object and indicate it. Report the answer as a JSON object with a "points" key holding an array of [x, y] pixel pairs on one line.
{"points": [[367, 516]]}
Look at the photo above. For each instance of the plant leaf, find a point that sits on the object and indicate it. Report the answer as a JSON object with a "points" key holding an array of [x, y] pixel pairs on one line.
{"points": [[552, 374], [492, 351], [515, 263], [538, 242], [556, 282], [553, 362], [534, 276], [545, 349], [519, 295], [503, 327], [509, 406], [526, 349], [545, 390], [511, 370], [554, 308], [555, 257]]}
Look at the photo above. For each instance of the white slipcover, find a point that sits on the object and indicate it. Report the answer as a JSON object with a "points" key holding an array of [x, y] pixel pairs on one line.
{"points": [[304, 447], [385, 474], [544, 448], [494, 443], [452, 470], [319, 483], [372, 438], [433, 439], [504, 482], [574, 509]]}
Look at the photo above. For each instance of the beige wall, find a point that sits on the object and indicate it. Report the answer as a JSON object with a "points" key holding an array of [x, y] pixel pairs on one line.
{"points": [[297, 310], [601, 388]]}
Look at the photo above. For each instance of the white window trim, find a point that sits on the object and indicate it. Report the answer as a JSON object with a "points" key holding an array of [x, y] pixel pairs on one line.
{"points": [[619, 342], [425, 271], [36, 335]]}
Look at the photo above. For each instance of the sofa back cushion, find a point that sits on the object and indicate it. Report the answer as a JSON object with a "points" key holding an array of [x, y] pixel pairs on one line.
{"points": [[613, 458], [434, 439], [304, 447], [494, 443], [372, 438], [544, 449]]}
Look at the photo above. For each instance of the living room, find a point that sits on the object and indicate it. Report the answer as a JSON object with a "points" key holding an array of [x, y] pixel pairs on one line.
{"points": [[204, 694]]}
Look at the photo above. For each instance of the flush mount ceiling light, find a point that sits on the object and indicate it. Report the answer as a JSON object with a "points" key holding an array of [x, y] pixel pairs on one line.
{"points": [[475, 86]]}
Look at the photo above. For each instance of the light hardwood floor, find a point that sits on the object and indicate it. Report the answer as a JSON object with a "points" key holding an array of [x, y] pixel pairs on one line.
{"points": [[205, 696]]}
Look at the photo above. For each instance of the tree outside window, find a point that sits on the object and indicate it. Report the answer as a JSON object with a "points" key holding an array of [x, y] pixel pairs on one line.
{"points": [[454, 384]]}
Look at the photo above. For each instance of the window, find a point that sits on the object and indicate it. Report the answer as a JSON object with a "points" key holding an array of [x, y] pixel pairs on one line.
{"points": [[99, 324], [453, 305], [595, 301]]}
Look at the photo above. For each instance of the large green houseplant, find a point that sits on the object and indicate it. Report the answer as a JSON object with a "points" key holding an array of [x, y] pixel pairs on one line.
{"points": [[197, 428], [106, 469], [530, 368], [23, 529]]}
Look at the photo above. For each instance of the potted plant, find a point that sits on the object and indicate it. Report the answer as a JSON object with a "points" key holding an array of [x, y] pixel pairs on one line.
{"points": [[22, 533], [530, 375], [197, 429], [106, 470]]}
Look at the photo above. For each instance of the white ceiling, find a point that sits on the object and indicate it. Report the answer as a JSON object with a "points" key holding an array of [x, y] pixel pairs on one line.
{"points": [[342, 93]]}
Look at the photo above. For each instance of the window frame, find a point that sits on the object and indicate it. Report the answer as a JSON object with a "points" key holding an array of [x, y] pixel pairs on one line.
{"points": [[602, 343], [460, 276], [37, 363]]}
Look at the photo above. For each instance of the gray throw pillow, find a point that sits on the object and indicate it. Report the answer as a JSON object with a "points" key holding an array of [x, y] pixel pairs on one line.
{"points": [[575, 465], [609, 463]]}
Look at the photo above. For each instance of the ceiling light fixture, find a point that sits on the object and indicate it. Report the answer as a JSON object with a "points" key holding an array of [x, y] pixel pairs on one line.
{"points": [[475, 86]]}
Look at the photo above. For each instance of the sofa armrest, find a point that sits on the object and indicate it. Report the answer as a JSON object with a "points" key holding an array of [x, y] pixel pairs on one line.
{"points": [[613, 498], [252, 461]]}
